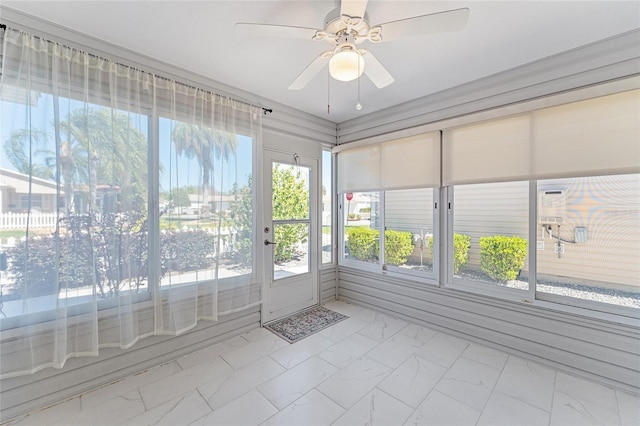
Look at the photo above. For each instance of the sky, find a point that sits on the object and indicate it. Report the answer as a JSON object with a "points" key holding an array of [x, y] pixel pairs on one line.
{"points": [[15, 116]]}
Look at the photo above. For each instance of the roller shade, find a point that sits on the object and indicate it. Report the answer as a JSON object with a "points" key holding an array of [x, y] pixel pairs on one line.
{"points": [[599, 136], [412, 162]]}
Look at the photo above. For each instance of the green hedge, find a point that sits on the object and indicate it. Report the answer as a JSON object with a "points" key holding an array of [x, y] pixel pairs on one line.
{"points": [[105, 258], [398, 247], [461, 244], [502, 257], [363, 244]]}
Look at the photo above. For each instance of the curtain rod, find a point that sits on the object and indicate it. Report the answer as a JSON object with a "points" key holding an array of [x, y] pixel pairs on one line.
{"points": [[264, 110]]}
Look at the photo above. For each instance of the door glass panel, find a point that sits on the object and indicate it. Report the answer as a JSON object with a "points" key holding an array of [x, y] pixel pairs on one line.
{"points": [[291, 223], [291, 251]]}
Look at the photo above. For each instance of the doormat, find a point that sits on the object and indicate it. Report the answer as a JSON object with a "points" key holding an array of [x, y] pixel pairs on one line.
{"points": [[303, 324]]}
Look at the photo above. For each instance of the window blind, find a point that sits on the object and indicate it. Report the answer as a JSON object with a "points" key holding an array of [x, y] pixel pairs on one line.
{"points": [[411, 162], [599, 136]]}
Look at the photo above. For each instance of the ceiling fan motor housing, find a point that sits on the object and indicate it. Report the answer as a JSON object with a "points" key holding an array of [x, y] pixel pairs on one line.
{"points": [[336, 24]]}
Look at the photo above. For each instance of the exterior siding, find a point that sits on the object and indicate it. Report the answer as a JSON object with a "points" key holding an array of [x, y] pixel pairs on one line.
{"points": [[606, 206], [496, 209], [410, 211]]}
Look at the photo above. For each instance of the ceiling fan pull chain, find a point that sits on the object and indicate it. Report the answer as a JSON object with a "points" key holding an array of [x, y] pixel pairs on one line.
{"points": [[358, 105], [328, 92]]}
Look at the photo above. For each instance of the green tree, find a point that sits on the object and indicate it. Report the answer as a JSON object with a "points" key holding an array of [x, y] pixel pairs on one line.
{"points": [[113, 153], [94, 147], [290, 201], [241, 222], [16, 148], [205, 144], [179, 198]]}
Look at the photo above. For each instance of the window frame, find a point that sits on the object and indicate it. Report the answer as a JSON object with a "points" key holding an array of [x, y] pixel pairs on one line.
{"points": [[532, 295], [427, 277], [142, 300]]}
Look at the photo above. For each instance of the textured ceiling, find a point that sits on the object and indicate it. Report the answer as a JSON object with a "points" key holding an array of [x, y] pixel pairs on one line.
{"points": [[200, 36]]}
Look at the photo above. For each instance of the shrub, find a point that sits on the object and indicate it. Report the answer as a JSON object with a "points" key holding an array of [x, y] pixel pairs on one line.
{"points": [[361, 242], [364, 244], [398, 247], [185, 251], [502, 257], [33, 264], [461, 244]]}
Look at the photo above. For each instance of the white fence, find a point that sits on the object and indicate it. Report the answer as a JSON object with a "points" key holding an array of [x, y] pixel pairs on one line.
{"points": [[36, 220]]}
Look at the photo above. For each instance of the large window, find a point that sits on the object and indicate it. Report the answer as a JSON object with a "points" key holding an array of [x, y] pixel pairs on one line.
{"points": [[74, 202], [119, 189], [541, 206], [588, 239], [74, 210], [116, 183], [388, 204], [393, 231], [489, 245], [205, 203], [410, 243], [327, 207]]}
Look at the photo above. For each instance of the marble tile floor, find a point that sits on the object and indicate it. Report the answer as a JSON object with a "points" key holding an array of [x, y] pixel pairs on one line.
{"points": [[371, 369]]}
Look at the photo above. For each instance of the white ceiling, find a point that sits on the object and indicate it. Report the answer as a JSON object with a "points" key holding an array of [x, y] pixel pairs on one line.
{"points": [[199, 36]]}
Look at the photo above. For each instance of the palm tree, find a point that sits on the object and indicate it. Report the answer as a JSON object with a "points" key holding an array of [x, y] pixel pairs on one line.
{"points": [[19, 148], [205, 144], [43, 162], [101, 147], [114, 152]]}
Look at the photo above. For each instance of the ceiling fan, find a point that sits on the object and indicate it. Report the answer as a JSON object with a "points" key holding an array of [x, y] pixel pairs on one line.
{"points": [[346, 27]]}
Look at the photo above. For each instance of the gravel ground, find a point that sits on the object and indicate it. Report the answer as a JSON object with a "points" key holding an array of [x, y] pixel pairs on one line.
{"points": [[584, 292]]}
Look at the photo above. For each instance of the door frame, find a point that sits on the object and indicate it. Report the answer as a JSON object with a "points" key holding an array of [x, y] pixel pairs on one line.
{"points": [[269, 156]]}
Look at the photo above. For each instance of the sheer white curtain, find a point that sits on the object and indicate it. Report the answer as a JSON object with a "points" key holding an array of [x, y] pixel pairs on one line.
{"points": [[126, 204]]}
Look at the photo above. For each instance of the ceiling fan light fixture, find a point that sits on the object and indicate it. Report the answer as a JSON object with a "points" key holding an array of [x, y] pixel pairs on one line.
{"points": [[346, 65]]}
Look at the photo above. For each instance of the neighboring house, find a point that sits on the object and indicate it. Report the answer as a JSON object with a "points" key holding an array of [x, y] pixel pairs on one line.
{"points": [[15, 190], [197, 204]]}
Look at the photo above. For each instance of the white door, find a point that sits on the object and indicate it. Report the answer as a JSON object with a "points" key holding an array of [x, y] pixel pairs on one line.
{"points": [[289, 234]]}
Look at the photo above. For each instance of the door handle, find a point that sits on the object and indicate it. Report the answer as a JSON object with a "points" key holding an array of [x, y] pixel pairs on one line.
{"points": [[267, 242]]}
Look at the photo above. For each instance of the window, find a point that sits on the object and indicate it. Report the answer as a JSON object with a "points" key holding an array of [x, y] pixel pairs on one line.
{"points": [[410, 234], [135, 188], [327, 207], [388, 188], [92, 229], [489, 244], [361, 226], [80, 176], [206, 203], [541, 205], [588, 239]]}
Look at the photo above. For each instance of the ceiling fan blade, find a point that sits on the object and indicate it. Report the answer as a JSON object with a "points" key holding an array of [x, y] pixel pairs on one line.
{"points": [[451, 20], [268, 30], [375, 71], [312, 69], [353, 8]]}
